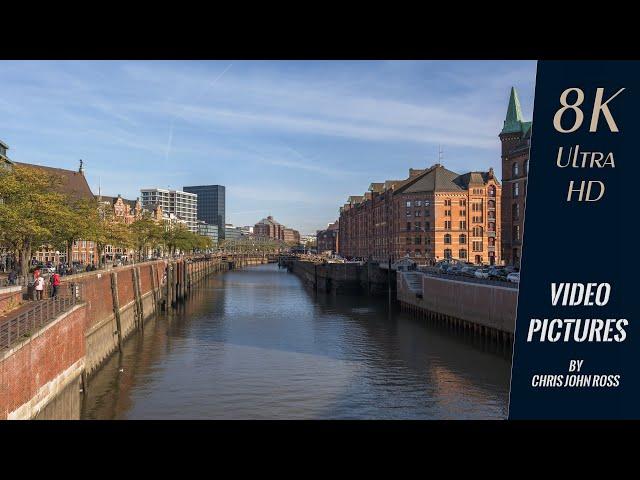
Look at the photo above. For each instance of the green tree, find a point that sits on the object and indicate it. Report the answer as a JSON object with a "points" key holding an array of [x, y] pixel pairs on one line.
{"points": [[145, 234], [31, 210]]}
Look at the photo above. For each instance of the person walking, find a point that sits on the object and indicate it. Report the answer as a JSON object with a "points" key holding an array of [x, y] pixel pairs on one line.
{"points": [[55, 284], [39, 287], [12, 277]]}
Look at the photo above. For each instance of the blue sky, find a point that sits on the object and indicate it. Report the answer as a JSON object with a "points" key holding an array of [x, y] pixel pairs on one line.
{"points": [[292, 139]]}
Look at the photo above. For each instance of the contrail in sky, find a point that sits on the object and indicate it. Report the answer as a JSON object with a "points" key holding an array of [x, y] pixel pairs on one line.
{"points": [[211, 84]]}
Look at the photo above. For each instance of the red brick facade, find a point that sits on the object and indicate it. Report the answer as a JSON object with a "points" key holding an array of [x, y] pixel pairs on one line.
{"points": [[432, 215]]}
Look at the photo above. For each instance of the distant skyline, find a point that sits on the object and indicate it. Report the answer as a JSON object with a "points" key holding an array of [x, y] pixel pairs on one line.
{"points": [[292, 139]]}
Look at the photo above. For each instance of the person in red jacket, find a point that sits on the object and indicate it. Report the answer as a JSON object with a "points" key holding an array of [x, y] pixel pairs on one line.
{"points": [[55, 283]]}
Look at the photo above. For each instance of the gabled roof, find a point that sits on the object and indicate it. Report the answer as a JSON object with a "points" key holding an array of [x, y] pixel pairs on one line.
{"points": [[73, 183], [438, 178]]}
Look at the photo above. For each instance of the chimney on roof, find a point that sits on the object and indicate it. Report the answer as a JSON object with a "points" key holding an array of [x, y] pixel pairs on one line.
{"points": [[81, 169]]}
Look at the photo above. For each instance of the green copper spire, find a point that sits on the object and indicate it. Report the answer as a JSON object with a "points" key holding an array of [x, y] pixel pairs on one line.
{"points": [[514, 121]]}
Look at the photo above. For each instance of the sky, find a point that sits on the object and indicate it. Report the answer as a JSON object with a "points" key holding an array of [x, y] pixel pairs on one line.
{"points": [[292, 139]]}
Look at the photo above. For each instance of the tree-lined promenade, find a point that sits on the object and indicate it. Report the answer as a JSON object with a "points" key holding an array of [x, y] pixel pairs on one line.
{"points": [[34, 212]]}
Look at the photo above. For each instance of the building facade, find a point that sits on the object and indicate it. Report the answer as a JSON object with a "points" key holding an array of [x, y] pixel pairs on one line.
{"points": [[327, 239], [516, 141], [433, 214], [291, 236], [211, 205], [210, 231], [269, 228], [183, 205]]}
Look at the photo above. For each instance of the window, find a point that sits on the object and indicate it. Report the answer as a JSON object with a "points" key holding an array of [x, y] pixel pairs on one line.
{"points": [[447, 253], [418, 203], [516, 190], [417, 226], [463, 213], [408, 204], [515, 211], [463, 224], [447, 213], [492, 242], [408, 226], [516, 232], [491, 227], [427, 203], [427, 213], [418, 240], [515, 169], [462, 239], [463, 203], [477, 231], [447, 202], [447, 225], [427, 226], [491, 204], [476, 207], [526, 167], [492, 191], [447, 239], [477, 246], [417, 213], [462, 253]]}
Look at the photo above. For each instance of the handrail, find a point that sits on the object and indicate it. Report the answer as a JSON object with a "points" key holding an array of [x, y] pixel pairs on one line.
{"points": [[41, 313]]}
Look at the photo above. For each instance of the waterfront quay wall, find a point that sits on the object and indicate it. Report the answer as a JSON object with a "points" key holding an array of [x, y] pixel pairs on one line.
{"points": [[42, 375], [10, 297], [485, 308], [344, 278]]}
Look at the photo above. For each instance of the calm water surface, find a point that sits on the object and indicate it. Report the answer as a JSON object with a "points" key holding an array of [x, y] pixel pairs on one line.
{"points": [[255, 344]]}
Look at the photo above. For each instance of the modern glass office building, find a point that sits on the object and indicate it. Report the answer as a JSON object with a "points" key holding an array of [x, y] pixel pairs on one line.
{"points": [[211, 205]]}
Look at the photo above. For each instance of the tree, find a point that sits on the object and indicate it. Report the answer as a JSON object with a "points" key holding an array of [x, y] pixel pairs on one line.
{"points": [[145, 234], [31, 210]]}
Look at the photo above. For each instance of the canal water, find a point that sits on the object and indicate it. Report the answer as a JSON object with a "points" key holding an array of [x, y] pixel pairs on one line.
{"points": [[256, 344]]}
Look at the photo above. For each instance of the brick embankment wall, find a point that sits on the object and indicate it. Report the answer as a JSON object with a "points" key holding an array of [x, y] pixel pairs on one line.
{"points": [[42, 376], [44, 367], [483, 308], [10, 298]]}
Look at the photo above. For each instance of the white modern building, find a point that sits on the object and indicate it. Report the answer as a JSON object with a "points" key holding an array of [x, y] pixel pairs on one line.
{"points": [[183, 205]]}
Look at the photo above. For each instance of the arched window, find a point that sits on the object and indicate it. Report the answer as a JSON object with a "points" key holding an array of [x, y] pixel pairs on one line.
{"points": [[492, 191], [462, 254], [462, 239], [491, 204], [447, 239], [515, 169], [516, 190]]}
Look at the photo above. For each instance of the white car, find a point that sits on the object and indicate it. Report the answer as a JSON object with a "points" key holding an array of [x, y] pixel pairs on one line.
{"points": [[482, 273], [514, 277]]}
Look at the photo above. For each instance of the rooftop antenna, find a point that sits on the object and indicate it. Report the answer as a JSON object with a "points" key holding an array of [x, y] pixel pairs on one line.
{"points": [[440, 154]]}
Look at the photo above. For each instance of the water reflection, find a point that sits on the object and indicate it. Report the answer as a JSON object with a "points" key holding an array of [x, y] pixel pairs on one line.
{"points": [[255, 344]]}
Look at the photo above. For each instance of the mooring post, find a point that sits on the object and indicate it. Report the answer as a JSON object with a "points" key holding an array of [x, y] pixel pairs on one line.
{"points": [[116, 307]]}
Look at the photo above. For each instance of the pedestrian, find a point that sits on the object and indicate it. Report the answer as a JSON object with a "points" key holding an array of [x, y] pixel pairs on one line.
{"points": [[39, 287], [55, 284], [12, 277], [36, 274]]}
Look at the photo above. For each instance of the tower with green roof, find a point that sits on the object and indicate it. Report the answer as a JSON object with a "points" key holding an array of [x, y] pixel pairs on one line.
{"points": [[515, 137]]}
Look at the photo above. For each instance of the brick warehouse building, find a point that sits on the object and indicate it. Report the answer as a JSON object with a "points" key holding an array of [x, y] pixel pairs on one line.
{"points": [[516, 140], [431, 215], [327, 239]]}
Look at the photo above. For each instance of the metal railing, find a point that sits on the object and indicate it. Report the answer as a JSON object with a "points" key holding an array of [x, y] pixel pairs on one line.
{"points": [[40, 313]]}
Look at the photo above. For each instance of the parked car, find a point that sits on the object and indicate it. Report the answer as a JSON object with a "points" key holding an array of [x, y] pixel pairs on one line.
{"points": [[497, 273], [482, 273], [468, 271], [514, 277]]}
